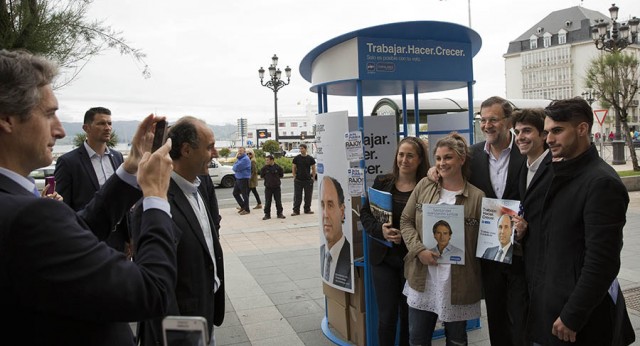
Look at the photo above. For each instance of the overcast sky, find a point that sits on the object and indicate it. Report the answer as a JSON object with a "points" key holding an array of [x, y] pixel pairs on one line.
{"points": [[204, 55]]}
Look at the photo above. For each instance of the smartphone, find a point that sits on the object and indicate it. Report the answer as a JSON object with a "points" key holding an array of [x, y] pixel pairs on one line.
{"points": [[160, 136], [185, 331], [51, 181]]}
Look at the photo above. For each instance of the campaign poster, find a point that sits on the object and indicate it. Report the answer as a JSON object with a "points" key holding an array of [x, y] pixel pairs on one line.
{"points": [[335, 215], [443, 231], [495, 240], [379, 142]]}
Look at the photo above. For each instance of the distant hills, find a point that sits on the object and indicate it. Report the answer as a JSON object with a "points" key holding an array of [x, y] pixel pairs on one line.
{"points": [[126, 129]]}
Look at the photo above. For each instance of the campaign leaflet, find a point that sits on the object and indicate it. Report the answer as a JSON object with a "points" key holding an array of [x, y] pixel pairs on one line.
{"points": [[495, 239], [381, 205], [443, 231]]}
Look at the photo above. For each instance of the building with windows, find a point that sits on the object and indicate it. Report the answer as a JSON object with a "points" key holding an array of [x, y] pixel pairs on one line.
{"points": [[292, 130], [550, 60]]}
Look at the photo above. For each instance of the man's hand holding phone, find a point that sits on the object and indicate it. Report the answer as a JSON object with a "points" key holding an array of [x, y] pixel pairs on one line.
{"points": [[141, 142], [154, 172]]}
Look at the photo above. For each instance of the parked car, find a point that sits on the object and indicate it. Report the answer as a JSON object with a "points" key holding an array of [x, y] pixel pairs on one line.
{"points": [[39, 174], [292, 153], [220, 174]]}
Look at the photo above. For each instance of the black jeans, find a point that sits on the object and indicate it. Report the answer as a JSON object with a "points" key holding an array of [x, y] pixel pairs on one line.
{"points": [[298, 187], [256, 195], [423, 323], [275, 193], [388, 281], [241, 193]]}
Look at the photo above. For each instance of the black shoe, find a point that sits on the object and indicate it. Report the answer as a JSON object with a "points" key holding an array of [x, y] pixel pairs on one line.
{"points": [[295, 213], [266, 217], [280, 216], [308, 212]]}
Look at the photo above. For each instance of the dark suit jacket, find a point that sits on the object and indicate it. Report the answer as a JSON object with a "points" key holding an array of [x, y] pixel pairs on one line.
{"points": [[480, 177], [194, 291], [342, 275], [77, 183], [60, 285], [490, 253]]}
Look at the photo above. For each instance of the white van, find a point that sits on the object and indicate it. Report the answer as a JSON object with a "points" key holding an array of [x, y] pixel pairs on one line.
{"points": [[221, 175]]}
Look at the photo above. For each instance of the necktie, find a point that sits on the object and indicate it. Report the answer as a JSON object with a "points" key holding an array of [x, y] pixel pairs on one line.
{"points": [[195, 195], [327, 265], [499, 256]]}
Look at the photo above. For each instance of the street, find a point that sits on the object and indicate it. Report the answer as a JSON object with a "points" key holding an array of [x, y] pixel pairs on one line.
{"points": [[226, 200]]}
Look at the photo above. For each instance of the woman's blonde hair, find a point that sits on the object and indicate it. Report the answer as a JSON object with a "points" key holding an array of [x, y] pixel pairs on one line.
{"points": [[458, 144]]}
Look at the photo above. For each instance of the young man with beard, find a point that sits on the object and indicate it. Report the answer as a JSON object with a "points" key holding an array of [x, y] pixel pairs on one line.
{"points": [[584, 214]]}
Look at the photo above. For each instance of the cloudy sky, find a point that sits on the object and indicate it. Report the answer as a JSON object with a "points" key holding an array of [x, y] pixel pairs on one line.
{"points": [[204, 55]]}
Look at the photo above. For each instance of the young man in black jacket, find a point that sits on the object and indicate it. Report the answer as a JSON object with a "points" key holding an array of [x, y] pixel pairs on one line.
{"points": [[271, 173]]}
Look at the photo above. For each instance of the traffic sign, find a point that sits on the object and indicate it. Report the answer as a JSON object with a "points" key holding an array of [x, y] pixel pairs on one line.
{"points": [[600, 114]]}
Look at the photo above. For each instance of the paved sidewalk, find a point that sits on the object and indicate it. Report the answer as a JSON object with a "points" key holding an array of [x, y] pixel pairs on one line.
{"points": [[275, 292]]}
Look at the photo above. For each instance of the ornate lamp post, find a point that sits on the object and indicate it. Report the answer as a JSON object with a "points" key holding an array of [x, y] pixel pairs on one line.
{"points": [[613, 38], [275, 83], [590, 96]]}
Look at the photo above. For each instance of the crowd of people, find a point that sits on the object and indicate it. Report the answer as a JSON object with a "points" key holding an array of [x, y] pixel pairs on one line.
{"points": [[555, 283], [137, 238]]}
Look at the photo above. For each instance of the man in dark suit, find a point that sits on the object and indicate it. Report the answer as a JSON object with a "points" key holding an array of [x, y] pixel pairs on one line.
{"points": [[59, 284], [504, 252], [335, 263], [495, 169], [82, 171], [534, 182], [194, 208]]}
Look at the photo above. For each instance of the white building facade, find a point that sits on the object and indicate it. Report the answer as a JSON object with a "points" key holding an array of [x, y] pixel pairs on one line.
{"points": [[550, 60]]}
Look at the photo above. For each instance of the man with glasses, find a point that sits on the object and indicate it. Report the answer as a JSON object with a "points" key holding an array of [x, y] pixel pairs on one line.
{"points": [[496, 164]]}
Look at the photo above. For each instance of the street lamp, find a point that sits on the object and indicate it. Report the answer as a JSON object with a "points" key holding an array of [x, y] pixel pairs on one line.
{"points": [[613, 38], [275, 83], [590, 96]]}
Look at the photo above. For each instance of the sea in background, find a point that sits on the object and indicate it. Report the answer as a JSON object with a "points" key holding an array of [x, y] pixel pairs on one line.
{"points": [[60, 149]]}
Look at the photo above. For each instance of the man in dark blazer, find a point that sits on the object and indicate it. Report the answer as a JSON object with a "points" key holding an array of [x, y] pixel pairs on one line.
{"points": [[59, 284], [496, 165], [335, 255], [534, 182], [505, 227], [82, 171], [194, 208]]}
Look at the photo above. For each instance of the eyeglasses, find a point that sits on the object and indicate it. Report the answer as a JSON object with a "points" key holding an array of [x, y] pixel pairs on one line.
{"points": [[490, 120]]}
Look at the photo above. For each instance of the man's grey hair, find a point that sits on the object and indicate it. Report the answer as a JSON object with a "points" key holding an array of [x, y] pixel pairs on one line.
{"points": [[22, 74]]}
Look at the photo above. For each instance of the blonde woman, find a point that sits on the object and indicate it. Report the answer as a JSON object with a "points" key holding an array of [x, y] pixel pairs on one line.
{"points": [[449, 292], [253, 181]]}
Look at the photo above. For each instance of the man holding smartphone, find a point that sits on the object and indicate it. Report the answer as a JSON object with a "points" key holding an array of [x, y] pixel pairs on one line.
{"points": [[82, 171], [59, 283], [194, 208]]}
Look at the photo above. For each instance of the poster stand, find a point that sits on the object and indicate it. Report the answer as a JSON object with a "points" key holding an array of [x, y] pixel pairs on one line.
{"points": [[392, 59]]}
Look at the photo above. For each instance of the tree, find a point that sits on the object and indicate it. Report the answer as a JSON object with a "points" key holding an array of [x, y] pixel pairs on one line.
{"points": [[271, 146], [80, 137], [58, 30], [614, 76], [224, 152]]}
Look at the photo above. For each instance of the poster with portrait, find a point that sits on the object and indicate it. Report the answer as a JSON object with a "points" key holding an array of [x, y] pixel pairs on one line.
{"points": [[495, 240], [443, 231], [334, 207]]}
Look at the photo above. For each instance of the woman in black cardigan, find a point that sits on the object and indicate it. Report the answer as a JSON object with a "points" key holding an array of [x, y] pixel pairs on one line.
{"points": [[386, 248]]}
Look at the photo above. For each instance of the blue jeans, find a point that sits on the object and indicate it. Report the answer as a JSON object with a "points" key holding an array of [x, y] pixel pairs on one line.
{"points": [[423, 323]]}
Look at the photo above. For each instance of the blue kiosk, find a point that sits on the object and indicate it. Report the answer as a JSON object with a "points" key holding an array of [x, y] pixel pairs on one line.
{"points": [[392, 59]]}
